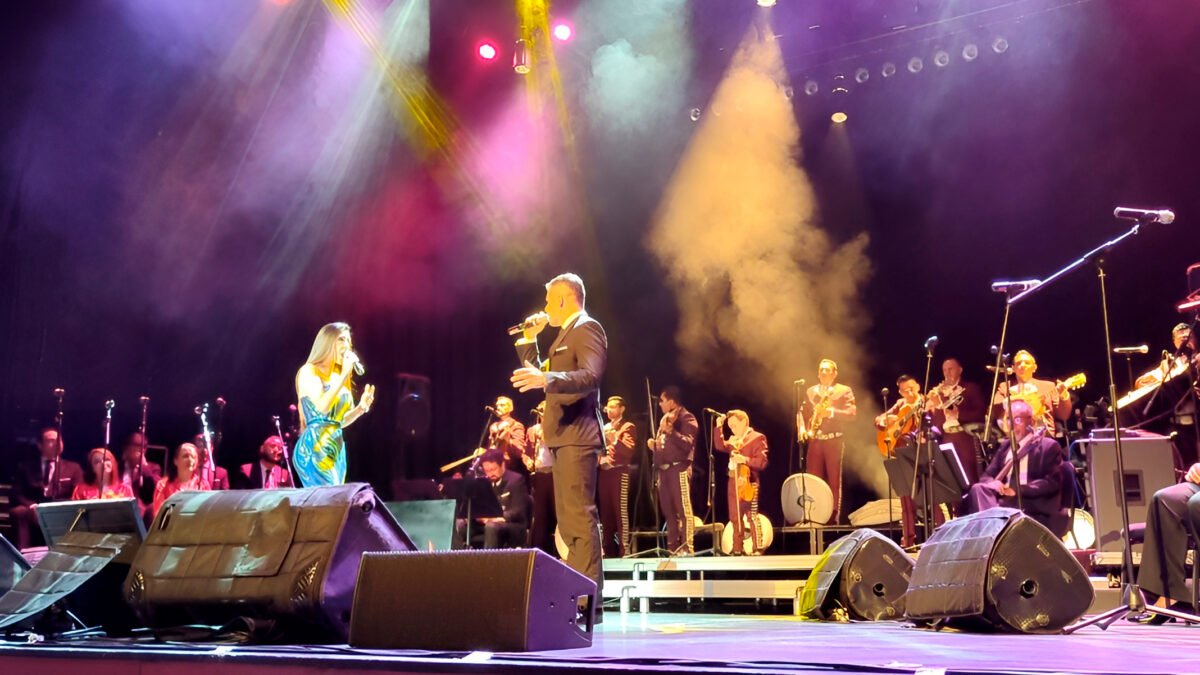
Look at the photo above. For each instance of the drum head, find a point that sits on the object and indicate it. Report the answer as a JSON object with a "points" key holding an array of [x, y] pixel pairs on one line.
{"points": [[1083, 532], [764, 524], [806, 498]]}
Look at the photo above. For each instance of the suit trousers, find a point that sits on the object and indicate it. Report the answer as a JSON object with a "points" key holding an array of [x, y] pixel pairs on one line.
{"points": [[575, 505], [1165, 546], [825, 462], [541, 491], [613, 500], [675, 502]]}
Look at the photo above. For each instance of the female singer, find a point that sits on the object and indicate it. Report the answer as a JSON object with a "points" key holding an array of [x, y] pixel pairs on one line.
{"points": [[325, 392], [101, 467], [181, 475]]}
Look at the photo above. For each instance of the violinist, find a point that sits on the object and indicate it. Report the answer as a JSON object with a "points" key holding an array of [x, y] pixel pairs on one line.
{"points": [[673, 448], [747, 450], [1037, 472], [828, 406]]}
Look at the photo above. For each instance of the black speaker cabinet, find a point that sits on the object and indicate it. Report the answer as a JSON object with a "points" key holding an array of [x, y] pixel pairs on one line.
{"points": [[998, 569], [863, 573], [285, 556], [497, 600]]}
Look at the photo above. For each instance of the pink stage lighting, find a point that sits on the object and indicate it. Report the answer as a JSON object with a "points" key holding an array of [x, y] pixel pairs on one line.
{"points": [[562, 31], [487, 51]]}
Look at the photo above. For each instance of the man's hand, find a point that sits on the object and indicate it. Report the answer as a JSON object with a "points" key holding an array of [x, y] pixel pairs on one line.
{"points": [[737, 458], [535, 323], [486, 521], [1193, 474], [1006, 491], [528, 378]]}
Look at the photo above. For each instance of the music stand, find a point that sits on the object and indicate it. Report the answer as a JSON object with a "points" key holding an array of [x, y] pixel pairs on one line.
{"points": [[101, 516], [475, 500], [949, 479]]}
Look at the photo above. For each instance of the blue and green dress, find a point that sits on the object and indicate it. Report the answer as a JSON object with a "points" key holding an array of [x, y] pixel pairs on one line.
{"points": [[320, 454]]}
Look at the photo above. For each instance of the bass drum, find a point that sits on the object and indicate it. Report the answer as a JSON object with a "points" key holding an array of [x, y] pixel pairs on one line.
{"points": [[1083, 532], [806, 499], [764, 524]]}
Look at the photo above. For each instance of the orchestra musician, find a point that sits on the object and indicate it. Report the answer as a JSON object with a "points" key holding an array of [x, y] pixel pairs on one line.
{"points": [[137, 472], [100, 478], [956, 420], [1039, 457], [267, 473], [46, 479], [673, 449], [616, 474], [507, 530], [827, 409], [507, 435], [181, 475], [747, 450], [540, 465], [900, 423], [1050, 401]]}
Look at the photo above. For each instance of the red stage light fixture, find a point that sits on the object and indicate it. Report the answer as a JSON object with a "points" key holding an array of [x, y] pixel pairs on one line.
{"points": [[487, 51], [562, 31]]}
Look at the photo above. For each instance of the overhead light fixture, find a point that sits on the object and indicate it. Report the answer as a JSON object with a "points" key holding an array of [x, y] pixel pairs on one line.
{"points": [[999, 45], [970, 52], [766, 3], [888, 70], [862, 75], [839, 117], [941, 58], [915, 64], [521, 57], [811, 87]]}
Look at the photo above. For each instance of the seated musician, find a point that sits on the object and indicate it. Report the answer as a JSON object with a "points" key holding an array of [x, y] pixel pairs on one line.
{"points": [[1164, 550], [1038, 474], [181, 475], [1050, 401], [507, 435], [747, 450], [507, 530], [268, 472], [100, 478], [137, 472], [898, 426]]}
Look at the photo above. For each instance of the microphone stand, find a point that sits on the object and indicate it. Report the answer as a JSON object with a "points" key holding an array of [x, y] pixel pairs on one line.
{"points": [[1134, 602], [287, 460], [102, 479], [658, 551], [51, 490], [925, 438], [135, 481], [803, 445], [711, 516]]}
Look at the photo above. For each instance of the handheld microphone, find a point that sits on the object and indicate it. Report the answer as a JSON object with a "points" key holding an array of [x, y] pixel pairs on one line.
{"points": [[528, 323], [1011, 286], [1164, 216], [359, 369], [1140, 349]]}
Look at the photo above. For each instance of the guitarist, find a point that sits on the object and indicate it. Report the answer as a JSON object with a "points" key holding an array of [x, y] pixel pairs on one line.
{"points": [[827, 408], [898, 426], [1051, 401]]}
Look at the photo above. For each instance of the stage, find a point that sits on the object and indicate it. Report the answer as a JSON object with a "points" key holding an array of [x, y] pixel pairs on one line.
{"points": [[675, 642]]}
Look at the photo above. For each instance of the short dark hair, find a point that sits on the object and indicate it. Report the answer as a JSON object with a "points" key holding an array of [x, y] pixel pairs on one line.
{"points": [[904, 378], [493, 456], [953, 358], [672, 392]]}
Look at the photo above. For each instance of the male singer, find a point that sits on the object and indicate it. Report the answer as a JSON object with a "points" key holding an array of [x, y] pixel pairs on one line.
{"points": [[570, 376]]}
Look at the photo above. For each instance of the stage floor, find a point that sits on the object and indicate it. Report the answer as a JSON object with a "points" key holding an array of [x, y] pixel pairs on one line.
{"points": [[675, 642]]}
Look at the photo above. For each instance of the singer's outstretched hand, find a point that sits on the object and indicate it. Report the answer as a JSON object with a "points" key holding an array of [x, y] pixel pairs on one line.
{"points": [[528, 378], [367, 398]]}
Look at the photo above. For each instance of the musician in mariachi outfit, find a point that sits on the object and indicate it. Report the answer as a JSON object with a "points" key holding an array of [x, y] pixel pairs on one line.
{"points": [[616, 475], [673, 448], [747, 450], [507, 435], [1178, 366], [898, 426], [1037, 467], [1050, 401], [828, 408], [956, 419], [539, 461]]}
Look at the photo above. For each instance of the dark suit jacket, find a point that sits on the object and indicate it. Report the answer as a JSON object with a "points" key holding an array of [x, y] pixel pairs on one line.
{"points": [[27, 483], [251, 476], [513, 496], [1041, 492], [151, 472], [573, 371]]}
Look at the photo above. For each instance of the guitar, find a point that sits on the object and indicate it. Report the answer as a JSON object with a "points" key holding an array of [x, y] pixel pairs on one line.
{"points": [[905, 423], [1035, 400]]}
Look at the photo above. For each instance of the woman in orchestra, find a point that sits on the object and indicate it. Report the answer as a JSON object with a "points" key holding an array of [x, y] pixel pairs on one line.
{"points": [[181, 475], [747, 450], [324, 387], [101, 470]]}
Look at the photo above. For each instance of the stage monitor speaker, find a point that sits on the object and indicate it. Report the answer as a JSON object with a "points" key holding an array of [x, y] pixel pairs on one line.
{"points": [[1149, 467], [285, 558], [862, 576], [492, 600], [998, 569]]}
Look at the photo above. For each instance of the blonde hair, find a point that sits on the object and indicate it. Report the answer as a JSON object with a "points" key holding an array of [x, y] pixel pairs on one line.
{"points": [[738, 414], [113, 476], [325, 344]]}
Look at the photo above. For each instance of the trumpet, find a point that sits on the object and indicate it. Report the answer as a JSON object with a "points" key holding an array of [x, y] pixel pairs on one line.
{"points": [[945, 396]]}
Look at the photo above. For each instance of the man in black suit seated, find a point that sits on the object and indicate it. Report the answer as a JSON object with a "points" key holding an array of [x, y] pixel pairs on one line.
{"points": [[139, 474], [508, 530], [1040, 458], [268, 472], [43, 480]]}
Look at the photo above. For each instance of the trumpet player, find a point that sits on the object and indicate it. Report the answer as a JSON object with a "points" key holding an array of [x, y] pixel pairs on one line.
{"points": [[616, 470], [958, 407], [747, 450], [827, 408], [673, 447]]}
